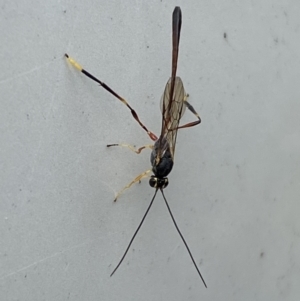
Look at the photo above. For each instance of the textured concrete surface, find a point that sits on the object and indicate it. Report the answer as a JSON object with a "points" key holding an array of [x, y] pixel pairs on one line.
{"points": [[234, 189]]}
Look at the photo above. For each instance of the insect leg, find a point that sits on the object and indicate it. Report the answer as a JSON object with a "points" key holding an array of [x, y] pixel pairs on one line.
{"points": [[132, 148], [107, 88], [191, 108], [137, 179]]}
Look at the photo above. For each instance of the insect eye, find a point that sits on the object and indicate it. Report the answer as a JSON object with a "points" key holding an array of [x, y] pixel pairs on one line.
{"points": [[153, 182], [165, 183]]}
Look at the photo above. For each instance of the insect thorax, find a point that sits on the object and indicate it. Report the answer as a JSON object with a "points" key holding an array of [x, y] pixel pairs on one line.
{"points": [[161, 159]]}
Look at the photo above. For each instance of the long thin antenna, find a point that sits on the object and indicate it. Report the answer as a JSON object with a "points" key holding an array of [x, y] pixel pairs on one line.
{"points": [[135, 233], [188, 249]]}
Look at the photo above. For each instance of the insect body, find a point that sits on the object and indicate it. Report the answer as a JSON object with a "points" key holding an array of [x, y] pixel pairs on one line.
{"points": [[173, 105]]}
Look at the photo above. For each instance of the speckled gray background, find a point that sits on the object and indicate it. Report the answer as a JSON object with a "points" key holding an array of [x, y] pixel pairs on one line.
{"points": [[234, 189]]}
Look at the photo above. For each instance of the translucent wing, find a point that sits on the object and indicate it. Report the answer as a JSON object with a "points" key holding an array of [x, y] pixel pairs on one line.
{"points": [[172, 111]]}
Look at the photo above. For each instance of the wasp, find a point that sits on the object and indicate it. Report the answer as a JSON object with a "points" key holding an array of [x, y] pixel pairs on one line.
{"points": [[173, 105]]}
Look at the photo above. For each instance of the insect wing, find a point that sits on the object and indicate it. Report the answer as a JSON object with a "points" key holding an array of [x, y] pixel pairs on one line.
{"points": [[172, 111]]}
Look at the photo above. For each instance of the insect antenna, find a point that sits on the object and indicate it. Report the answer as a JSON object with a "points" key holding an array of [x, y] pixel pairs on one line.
{"points": [[187, 247], [135, 233]]}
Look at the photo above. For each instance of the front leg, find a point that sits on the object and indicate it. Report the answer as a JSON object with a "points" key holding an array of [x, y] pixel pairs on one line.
{"points": [[132, 148], [137, 179]]}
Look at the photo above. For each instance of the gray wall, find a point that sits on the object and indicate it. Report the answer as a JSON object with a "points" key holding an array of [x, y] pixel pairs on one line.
{"points": [[234, 189]]}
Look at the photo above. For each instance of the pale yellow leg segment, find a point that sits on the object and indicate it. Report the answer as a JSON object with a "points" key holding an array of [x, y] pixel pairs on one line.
{"points": [[73, 62], [137, 179], [132, 148]]}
